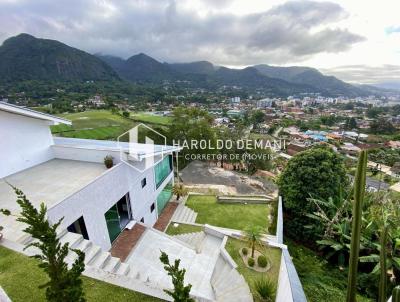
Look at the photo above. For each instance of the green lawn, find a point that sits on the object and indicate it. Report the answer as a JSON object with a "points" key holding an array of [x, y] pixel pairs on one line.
{"points": [[321, 281], [94, 124], [234, 216], [152, 119], [20, 277], [182, 229], [273, 254]]}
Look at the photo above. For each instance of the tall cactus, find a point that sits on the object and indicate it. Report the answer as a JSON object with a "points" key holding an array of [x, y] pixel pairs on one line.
{"points": [[383, 265], [396, 294], [359, 190]]}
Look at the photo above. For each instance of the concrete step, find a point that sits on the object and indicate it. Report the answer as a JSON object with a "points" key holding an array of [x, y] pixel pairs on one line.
{"points": [[25, 237], [91, 253], [112, 265], [71, 238], [71, 257], [238, 293], [123, 269], [61, 232], [222, 274], [83, 245], [100, 260]]}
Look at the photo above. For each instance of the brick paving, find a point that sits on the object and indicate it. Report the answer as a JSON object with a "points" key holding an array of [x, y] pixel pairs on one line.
{"points": [[126, 241], [166, 216]]}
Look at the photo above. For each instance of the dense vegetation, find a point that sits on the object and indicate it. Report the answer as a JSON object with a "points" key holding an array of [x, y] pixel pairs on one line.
{"points": [[26, 58], [326, 218], [318, 172], [385, 156]]}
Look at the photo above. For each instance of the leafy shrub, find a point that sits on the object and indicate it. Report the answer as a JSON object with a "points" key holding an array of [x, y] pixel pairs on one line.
{"points": [[245, 251], [262, 261], [265, 288], [108, 161], [250, 262]]}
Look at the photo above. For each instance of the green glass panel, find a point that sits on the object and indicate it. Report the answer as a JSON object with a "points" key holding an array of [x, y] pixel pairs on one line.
{"points": [[112, 220], [164, 197], [163, 169]]}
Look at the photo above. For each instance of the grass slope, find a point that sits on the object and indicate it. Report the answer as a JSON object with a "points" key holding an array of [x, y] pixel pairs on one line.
{"points": [[20, 277], [321, 282], [234, 216]]}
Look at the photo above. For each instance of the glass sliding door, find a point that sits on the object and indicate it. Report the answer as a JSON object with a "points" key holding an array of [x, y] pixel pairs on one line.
{"points": [[113, 224], [118, 216]]}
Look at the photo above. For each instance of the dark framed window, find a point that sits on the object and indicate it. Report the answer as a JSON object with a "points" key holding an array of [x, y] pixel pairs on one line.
{"points": [[142, 220], [152, 207], [144, 182]]}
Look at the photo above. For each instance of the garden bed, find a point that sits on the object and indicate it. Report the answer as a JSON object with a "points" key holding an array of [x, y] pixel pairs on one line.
{"points": [[251, 276], [255, 267]]}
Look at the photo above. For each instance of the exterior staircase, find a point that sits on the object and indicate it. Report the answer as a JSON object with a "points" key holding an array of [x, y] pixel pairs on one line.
{"points": [[184, 214], [193, 239], [228, 284], [94, 256]]}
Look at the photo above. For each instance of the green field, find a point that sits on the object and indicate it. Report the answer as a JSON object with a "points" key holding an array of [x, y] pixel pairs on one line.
{"points": [[151, 119], [20, 277], [233, 216], [95, 124]]}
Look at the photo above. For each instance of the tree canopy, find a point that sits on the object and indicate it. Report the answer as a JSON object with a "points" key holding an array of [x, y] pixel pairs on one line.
{"points": [[318, 172]]}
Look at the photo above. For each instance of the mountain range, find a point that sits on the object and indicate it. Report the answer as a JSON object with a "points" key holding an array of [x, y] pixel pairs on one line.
{"points": [[25, 57]]}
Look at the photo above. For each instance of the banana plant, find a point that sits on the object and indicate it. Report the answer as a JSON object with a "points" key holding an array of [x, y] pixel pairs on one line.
{"points": [[384, 217]]}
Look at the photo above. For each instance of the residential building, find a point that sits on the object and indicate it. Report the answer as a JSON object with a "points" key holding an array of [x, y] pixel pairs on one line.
{"points": [[69, 176]]}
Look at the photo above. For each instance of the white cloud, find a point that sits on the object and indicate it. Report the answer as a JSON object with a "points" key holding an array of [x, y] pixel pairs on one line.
{"points": [[321, 34]]}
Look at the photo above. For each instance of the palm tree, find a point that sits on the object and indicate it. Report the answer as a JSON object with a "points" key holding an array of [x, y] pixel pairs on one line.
{"points": [[179, 190], [253, 236]]}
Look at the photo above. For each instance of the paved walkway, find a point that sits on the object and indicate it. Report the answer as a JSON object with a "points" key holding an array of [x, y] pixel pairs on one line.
{"points": [[126, 241], [166, 216], [146, 265]]}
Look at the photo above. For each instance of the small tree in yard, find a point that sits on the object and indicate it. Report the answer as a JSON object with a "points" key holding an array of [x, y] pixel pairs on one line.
{"points": [[181, 293], [65, 285], [179, 190], [253, 236]]}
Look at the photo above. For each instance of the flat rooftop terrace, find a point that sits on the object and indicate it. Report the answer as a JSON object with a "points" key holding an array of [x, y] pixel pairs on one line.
{"points": [[49, 182]]}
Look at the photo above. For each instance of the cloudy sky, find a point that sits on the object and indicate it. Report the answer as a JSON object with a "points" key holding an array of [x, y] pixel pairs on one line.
{"points": [[358, 41]]}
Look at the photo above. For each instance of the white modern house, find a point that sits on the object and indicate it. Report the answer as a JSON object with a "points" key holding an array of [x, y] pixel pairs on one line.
{"points": [[69, 176], [99, 206]]}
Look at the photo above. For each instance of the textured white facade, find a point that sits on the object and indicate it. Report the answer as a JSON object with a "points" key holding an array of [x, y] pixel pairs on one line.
{"points": [[24, 142]]}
